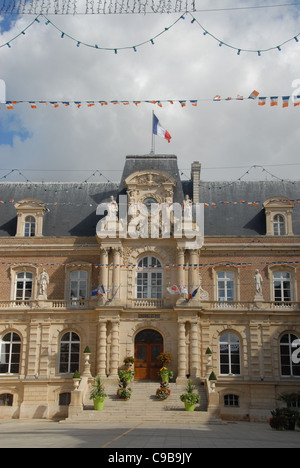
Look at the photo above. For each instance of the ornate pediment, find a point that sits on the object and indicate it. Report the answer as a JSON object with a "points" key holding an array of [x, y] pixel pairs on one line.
{"points": [[153, 184]]}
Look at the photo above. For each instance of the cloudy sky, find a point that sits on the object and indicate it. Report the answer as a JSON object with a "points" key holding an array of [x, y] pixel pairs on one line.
{"points": [[68, 144]]}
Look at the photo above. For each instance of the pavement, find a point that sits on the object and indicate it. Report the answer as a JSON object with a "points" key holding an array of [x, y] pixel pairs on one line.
{"points": [[52, 434]]}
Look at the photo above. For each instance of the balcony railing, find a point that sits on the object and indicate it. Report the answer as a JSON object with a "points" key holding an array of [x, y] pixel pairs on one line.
{"points": [[250, 306], [143, 304], [148, 303], [49, 304]]}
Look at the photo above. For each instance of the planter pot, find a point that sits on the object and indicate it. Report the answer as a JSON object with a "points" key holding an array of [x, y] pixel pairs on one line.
{"points": [[291, 426], [99, 404], [189, 407]]}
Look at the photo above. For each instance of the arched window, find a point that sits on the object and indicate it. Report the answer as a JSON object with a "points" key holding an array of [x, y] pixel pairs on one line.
{"points": [[78, 284], [10, 353], [29, 228], [24, 286], [226, 288], [69, 353], [282, 283], [289, 356], [279, 225], [149, 279], [230, 359]]}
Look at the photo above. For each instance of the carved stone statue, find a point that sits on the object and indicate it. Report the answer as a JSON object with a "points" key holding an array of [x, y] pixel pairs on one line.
{"points": [[258, 286], [43, 283], [109, 222], [258, 282], [112, 208], [188, 208]]}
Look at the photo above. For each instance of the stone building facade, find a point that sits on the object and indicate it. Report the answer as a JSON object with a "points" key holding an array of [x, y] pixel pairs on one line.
{"points": [[227, 303]]}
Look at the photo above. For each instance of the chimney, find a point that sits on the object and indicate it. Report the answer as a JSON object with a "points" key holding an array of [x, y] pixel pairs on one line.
{"points": [[195, 176]]}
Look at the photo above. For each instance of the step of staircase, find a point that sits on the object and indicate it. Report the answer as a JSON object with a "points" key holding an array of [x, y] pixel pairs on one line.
{"points": [[144, 407]]}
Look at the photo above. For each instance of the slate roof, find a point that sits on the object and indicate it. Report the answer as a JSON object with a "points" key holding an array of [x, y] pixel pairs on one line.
{"points": [[75, 211], [241, 220]]}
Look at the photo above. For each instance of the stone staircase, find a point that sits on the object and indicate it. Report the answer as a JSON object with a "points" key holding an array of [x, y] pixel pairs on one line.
{"points": [[143, 407]]}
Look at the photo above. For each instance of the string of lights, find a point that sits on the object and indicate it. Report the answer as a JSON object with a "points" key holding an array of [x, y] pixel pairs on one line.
{"points": [[151, 40], [9, 172], [97, 7]]}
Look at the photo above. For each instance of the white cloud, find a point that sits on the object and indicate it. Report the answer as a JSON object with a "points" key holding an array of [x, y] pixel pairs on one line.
{"points": [[183, 64]]}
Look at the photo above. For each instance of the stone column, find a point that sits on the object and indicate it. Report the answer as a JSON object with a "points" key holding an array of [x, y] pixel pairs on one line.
{"points": [[181, 351], [103, 276], [114, 352], [116, 275], [104, 270], [181, 272], [101, 349], [180, 263], [193, 272], [194, 351]]}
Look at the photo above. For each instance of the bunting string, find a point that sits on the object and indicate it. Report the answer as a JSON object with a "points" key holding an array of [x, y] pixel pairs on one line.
{"points": [[245, 203], [135, 47], [275, 101], [167, 267]]}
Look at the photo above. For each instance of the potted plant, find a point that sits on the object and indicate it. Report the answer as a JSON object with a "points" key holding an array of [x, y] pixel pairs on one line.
{"points": [[127, 374], [163, 392], [190, 399], [124, 392], [165, 374], [98, 394], [165, 358], [76, 380], [284, 419], [129, 361]]}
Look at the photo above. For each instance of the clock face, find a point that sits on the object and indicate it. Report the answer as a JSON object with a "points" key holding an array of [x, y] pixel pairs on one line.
{"points": [[150, 201]]}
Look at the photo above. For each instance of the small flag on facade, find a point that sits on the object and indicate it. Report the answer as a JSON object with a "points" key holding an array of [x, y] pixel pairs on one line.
{"points": [[183, 290], [173, 290], [191, 296]]}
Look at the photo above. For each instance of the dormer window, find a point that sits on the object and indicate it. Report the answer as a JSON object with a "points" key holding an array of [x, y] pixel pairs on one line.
{"points": [[30, 218], [279, 216], [279, 225], [29, 229]]}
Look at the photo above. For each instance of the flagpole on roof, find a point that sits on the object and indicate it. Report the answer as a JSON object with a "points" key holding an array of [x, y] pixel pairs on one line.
{"points": [[153, 136]]}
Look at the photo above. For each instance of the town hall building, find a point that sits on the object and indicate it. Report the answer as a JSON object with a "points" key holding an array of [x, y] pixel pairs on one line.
{"points": [[206, 271]]}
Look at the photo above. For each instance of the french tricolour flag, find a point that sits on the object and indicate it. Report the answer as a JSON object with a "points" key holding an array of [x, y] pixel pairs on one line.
{"points": [[159, 130]]}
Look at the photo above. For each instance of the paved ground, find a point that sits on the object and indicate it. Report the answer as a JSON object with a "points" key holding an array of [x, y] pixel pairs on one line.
{"points": [[50, 434]]}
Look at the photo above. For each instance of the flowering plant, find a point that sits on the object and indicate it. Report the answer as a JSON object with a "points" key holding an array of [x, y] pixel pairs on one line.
{"points": [[124, 392], [165, 358], [163, 392], [190, 397], [129, 360], [97, 390], [165, 374], [127, 374]]}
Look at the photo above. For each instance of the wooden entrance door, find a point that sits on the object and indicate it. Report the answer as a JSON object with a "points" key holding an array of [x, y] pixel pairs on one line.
{"points": [[148, 345]]}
